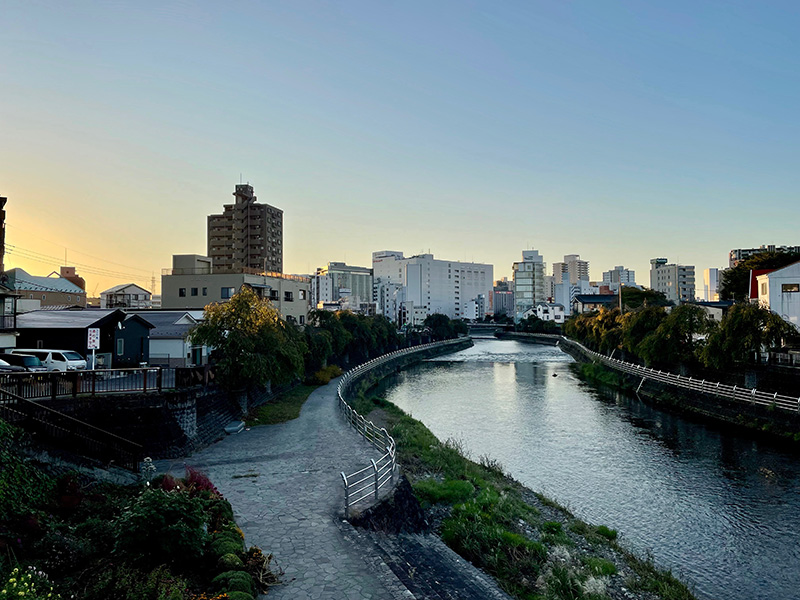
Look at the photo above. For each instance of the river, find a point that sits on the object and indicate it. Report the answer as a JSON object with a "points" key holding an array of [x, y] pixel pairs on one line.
{"points": [[721, 510]]}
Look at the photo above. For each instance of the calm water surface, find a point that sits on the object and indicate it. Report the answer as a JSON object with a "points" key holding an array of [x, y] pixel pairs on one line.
{"points": [[722, 511]]}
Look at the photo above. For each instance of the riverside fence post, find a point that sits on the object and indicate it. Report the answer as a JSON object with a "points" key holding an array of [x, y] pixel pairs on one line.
{"points": [[375, 468], [346, 497]]}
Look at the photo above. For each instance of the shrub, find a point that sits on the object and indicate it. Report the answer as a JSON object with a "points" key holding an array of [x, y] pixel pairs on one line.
{"points": [[198, 481], [239, 596], [162, 528], [222, 546], [21, 486], [224, 580], [324, 375], [229, 562], [451, 491], [30, 584]]}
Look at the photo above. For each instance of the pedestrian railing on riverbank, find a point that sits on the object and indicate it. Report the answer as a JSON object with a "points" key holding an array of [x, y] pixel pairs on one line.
{"points": [[741, 394], [366, 484]]}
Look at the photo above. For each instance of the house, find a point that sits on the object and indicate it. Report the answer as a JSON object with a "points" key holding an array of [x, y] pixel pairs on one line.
{"points": [[584, 303], [550, 312], [169, 344], [779, 291], [123, 338], [8, 318], [53, 290], [126, 295]]}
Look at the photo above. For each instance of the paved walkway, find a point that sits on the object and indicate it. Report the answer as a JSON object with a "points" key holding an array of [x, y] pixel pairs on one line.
{"points": [[284, 485]]}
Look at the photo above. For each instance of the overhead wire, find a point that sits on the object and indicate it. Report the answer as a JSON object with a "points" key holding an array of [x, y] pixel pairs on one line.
{"points": [[87, 268]]}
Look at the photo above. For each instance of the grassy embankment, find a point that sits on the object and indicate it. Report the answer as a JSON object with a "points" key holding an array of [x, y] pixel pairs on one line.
{"points": [[535, 549]]}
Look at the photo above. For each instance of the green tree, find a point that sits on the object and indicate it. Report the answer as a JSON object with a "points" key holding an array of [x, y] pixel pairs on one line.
{"points": [[633, 298], [745, 330], [251, 344], [441, 327], [638, 324], [735, 282], [677, 339]]}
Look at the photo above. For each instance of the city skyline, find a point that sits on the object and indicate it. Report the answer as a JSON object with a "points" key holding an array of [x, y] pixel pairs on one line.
{"points": [[620, 133]]}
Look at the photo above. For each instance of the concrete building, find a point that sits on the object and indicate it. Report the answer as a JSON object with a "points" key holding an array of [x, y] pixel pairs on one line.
{"points": [[529, 287], [739, 254], [439, 286], [675, 281], [551, 312], [338, 280], [193, 282], [711, 285], [475, 309], [126, 295], [619, 275], [779, 291], [571, 271], [53, 290], [247, 234]]}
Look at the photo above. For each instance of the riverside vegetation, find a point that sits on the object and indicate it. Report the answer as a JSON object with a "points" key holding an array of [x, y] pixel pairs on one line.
{"points": [[66, 536], [534, 548]]}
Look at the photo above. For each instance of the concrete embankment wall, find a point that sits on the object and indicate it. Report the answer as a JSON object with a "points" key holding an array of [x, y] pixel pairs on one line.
{"points": [[373, 376], [768, 421]]}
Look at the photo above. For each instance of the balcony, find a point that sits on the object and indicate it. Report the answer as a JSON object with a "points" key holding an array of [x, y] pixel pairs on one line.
{"points": [[8, 322]]}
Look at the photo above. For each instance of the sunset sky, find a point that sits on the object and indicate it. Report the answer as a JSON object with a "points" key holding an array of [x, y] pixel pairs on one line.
{"points": [[619, 131]]}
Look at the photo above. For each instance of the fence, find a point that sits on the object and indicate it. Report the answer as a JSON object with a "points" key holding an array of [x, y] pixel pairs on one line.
{"points": [[50, 425], [741, 394], [366, 483], [37, 386]]}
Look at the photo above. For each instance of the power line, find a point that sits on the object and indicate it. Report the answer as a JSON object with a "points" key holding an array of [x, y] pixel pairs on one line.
{"points": [[87, 268]]}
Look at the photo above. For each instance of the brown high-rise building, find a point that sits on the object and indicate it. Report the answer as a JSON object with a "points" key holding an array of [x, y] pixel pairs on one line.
{"points": [[246, 235]]}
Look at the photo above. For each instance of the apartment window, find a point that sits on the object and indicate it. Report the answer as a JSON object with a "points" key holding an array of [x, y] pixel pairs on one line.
{"points": [[205, 291], [288, 297], [194, 291], [182, 292], [302, 294], [120, 347], [302, 319], [227, 292], [763, 289], [788, 288]]}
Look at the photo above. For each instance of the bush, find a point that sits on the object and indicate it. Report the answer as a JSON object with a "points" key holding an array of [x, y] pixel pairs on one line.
{"points": [[21, 486], [239, 596], [222, 546], [233, 580], [230, 562], [324, 375], [28, 583], [162, 528]]}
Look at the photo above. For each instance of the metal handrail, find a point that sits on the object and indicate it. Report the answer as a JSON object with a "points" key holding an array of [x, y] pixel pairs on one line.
{"points": [[382, 471], [749, 395]]}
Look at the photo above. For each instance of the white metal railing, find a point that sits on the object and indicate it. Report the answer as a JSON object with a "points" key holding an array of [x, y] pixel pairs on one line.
{"points": [[743, 394], [367, 483]]}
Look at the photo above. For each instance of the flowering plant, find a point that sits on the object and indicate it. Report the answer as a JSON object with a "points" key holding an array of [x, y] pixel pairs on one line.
{"points": [[29, 584]]}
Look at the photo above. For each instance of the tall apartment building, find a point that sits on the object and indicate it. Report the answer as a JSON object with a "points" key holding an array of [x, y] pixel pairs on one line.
{"points": [[739, 254], [440, 286], [571, 271], [247, 235], [529, 284], [619, 275], [675, 281], [503, 297]]}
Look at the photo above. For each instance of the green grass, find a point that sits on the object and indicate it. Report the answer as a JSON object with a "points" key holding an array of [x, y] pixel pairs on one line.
{"points": [[451, 491], [285, 408], [600, 566]]}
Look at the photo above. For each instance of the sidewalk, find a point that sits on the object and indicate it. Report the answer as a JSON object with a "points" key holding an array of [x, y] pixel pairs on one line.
{"points": [[284, 485]]}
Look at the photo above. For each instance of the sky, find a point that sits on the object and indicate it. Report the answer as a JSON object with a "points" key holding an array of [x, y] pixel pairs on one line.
{"points": [[620, 131]]}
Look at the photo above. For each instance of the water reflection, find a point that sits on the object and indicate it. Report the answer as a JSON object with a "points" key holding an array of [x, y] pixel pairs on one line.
{"points": [[720, 510]]}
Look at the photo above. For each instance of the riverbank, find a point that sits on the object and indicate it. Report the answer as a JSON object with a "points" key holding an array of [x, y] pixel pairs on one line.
{"points": [[533, 547]]}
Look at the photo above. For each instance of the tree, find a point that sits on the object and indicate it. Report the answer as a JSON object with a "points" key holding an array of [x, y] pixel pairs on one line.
{"points": [[638, 324], [745, 330], [675, 341], [633, 298], [442, 328], [251, 344], [735, 282]]}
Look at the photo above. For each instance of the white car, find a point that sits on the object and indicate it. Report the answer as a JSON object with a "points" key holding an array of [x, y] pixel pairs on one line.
{"points": [[55, 360]]}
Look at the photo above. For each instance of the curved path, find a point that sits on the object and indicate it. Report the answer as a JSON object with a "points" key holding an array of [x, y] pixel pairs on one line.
{"points": [[284, 485]]}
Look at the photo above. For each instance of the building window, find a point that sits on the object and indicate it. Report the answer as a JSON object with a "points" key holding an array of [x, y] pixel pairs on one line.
{"points": [[788, 288], [288, 297], [120, 347], [763, 289], [302, 294], [205, 291], [182, 292], [227, 292], [194, 291], [302, 319]]}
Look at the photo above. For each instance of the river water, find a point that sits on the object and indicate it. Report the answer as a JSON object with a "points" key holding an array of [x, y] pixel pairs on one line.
{"points": [[721, 511]]}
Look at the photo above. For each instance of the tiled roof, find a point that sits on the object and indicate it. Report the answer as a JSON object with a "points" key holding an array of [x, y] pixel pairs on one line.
{"points": [[19, 279]]}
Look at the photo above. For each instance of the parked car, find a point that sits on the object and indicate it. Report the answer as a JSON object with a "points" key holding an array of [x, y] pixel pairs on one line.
{"points": [[7, 368], [26, 361], [55, 360]]}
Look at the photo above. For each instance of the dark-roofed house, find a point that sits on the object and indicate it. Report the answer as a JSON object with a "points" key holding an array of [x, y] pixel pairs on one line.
{"points": [[584, 303], [123, 337], [169, 344]]}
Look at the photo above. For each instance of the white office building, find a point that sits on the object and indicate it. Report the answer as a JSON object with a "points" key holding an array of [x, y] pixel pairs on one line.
{"points": [[339, 281], [571, 271], [438, 286], [529, 283], [619, 275]]}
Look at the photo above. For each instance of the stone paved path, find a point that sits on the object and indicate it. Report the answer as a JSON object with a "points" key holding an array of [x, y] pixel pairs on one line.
{"points": [[284, 485]]}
